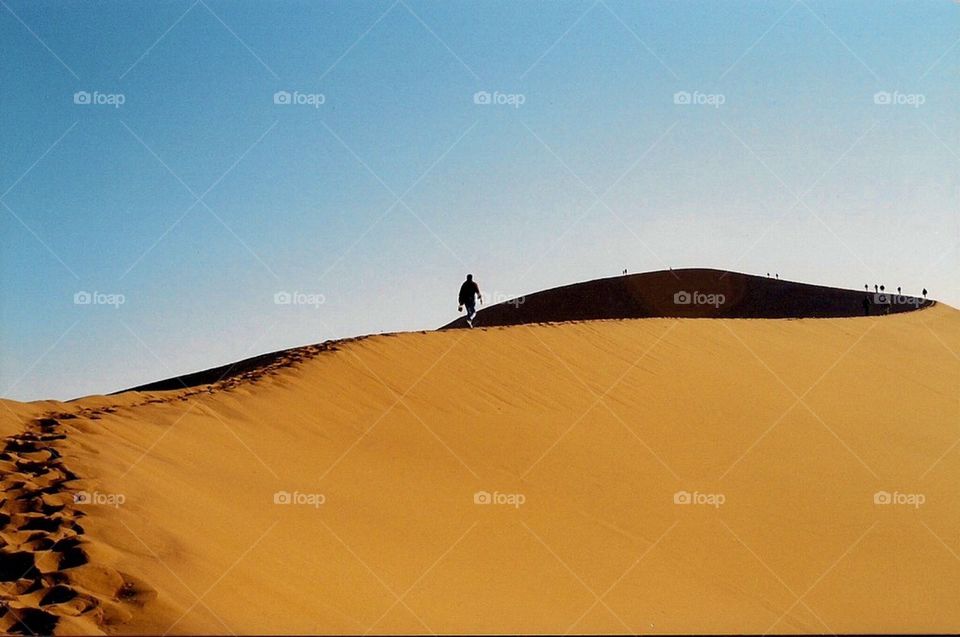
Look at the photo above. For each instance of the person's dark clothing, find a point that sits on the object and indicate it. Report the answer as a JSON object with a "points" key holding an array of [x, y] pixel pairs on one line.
{"points": [[468, 293]]}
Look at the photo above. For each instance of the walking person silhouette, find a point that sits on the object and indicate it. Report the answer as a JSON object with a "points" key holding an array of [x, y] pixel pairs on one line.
{"points": [[469, 293]]}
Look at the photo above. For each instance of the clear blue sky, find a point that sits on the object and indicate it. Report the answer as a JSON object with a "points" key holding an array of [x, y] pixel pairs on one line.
{"points": [[378, 200]]}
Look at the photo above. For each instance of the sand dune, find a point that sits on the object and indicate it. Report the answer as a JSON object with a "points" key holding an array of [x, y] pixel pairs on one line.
{"points": [[658, 475]]}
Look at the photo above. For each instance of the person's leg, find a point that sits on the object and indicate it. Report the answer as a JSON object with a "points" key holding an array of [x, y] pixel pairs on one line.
{"points": [[471, 312]]}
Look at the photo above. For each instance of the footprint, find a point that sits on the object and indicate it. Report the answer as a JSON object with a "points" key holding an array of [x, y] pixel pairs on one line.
{"points": [[42, 523], [16, 566], [73, 557], [31, 621], [59, 594]]}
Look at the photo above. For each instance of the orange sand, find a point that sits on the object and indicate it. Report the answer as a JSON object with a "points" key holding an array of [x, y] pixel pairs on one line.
{"points": [[793, 424]]}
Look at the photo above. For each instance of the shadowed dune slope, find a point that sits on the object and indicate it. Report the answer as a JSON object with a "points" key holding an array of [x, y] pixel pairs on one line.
{"points": [[689, 293], [661, 475]]}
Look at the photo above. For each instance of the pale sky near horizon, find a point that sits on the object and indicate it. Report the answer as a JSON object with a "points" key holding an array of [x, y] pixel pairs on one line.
{"points": [[147, 156]]}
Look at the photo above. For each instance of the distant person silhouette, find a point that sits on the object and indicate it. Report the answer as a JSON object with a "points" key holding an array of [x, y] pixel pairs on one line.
{"points": [[924, 293], [469, 293], [899, 293], [866, 287], [876, 288]]}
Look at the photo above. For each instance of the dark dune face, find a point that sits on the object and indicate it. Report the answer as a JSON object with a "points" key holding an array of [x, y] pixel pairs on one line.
{"points": [[689, 293]]}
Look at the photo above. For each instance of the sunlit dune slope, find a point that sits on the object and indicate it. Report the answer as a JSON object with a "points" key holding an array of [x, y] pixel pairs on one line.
{"points": [[691, 293], [589, 437]]}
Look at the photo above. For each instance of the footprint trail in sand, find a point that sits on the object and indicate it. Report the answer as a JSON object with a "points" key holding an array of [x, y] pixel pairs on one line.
{"points": [[47, 583]]}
